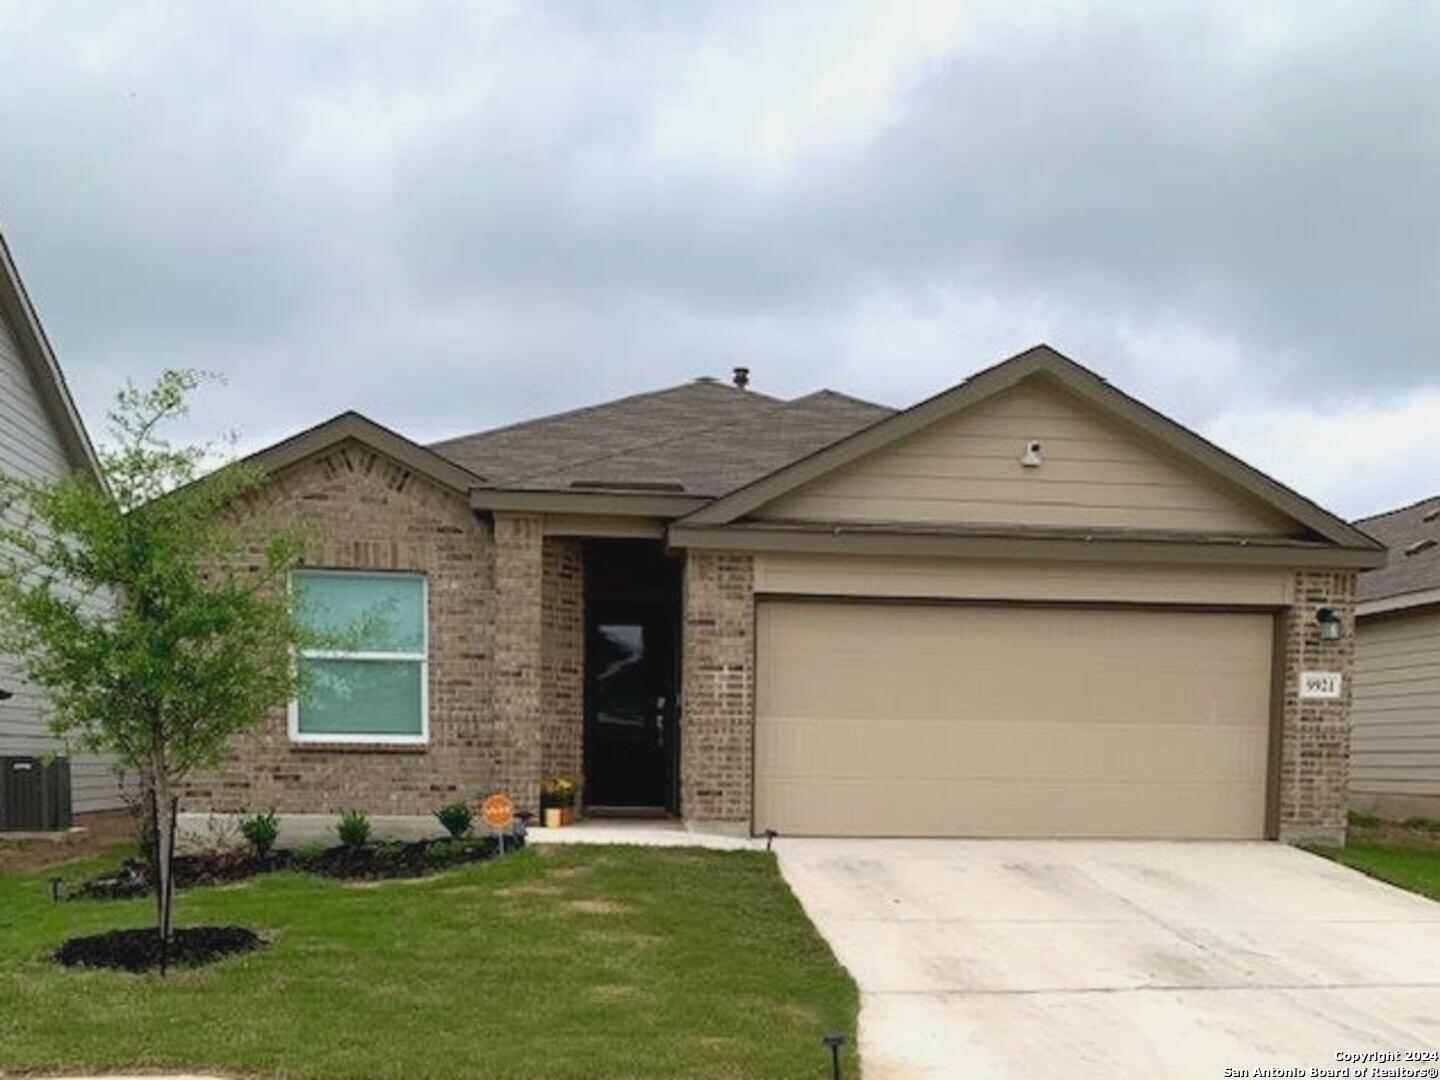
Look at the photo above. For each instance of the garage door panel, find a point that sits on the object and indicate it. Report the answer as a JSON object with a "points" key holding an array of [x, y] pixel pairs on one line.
{"points": [[1010, 751], [867, 807], [1011, 721], [1224, 700]]}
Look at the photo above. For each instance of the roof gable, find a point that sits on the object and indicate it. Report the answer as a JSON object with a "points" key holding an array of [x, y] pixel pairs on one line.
{"points": [[361, 429], [1269, 497], [1091, 472]]}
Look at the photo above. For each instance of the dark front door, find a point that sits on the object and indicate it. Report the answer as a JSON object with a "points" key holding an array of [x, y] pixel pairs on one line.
{"points": [[630, 708]]}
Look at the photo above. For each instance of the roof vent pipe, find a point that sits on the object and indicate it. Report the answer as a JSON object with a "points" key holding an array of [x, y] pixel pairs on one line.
{"points": [[742, 377]]}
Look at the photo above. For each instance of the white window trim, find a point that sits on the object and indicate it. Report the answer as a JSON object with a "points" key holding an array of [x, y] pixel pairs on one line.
{"points": [[423, 657]]}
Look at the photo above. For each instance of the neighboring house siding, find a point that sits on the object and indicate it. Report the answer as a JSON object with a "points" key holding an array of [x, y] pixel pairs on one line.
{"points": [[1395, 723], [967, 469], [30, 447]]}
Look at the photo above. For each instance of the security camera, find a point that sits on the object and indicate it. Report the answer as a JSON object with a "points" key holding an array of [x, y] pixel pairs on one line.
{"points": [[1033, 454]]}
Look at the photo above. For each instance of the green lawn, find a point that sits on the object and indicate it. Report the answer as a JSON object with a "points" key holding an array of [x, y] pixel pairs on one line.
{"points": [[556, 962], [1407, 855]]}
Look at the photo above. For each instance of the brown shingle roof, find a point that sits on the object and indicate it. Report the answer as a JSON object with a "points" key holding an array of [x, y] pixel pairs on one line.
{"points": [[1414, 564], [705, 438]]}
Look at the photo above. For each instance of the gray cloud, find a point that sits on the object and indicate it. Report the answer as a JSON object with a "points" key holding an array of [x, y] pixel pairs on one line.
{"points": [[459, 215]]}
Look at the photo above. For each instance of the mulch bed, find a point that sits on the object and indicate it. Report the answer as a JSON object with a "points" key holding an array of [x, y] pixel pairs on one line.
{"points": [[139, 950], [372, 862]]}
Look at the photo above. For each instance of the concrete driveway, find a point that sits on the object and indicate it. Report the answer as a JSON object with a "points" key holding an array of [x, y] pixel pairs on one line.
{"points": [[1006, 959]]}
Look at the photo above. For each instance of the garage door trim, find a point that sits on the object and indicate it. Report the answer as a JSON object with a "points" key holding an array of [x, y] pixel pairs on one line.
{"points": [[1275, 731]]}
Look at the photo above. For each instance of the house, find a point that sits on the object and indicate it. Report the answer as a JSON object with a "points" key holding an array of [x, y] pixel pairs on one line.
{"points": [[41, 436], [1028, 606], [1395, 754]]}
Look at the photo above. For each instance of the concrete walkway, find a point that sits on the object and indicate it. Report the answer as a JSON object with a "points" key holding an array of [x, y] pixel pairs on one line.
{"points": [[642, 831], [986, 960]]}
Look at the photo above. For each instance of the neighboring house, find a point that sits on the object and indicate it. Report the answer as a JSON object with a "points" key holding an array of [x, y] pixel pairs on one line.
{"points": [[1029, 606], [1395, 741], [41, 436]]}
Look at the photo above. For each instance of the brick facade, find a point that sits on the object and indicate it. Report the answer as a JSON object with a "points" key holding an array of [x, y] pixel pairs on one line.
{"points": [[562, 682], [369, 513], [719, 688], [1315, 751], [506, 671], [519, 575]]}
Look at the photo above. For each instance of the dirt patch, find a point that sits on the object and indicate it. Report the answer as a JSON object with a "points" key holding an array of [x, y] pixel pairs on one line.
{"points": [[568, 873], [613, 993], [1424, 835], [599, 907], [139, 950], [621, 939], [92, 835], [528, 889]]}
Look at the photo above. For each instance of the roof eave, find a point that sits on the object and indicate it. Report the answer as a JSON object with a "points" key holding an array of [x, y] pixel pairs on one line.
{"points": [[609, 503], [37, 355], [1406, 601], [1019, 544]]}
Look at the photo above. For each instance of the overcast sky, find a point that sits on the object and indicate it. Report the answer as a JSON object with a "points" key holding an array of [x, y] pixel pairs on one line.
{"points": [[451, 216]]}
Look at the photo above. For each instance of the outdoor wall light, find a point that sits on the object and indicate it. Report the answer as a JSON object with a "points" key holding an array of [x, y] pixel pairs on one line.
{"points": [[6, 695], [1329, 623]]}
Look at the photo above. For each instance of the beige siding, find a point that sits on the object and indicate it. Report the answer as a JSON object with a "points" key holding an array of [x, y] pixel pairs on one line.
{"points": [[967, 469], [1395, 711], [30, 446], [957, 720], [999, 579]]}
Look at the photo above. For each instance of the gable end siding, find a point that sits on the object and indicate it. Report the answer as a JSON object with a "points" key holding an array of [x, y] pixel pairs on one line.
{"points": [[31, 447], [966, 469]]}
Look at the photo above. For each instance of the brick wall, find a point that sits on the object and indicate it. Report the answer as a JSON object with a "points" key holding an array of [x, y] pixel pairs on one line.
{"points": [[519, 574], [719, 688], [562, 674], [1315, 753], [367, 512]]}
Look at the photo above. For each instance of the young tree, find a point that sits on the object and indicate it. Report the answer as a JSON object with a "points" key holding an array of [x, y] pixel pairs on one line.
{"points": [[154, 613]]}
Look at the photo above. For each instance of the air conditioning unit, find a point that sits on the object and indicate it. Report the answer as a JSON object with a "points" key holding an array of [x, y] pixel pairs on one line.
{"points": [[34, 794]]}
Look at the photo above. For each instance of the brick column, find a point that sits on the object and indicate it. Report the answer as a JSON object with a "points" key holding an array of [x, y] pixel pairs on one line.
{"points": [[716, 735], [518, 664], [1315, 755], [563, 659]]}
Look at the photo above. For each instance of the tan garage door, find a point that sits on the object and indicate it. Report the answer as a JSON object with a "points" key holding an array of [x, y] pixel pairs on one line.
{"points": [[888, 719]]}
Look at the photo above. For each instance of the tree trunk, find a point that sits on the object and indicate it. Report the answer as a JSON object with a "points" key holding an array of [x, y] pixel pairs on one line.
{"points": [[164, 852]]}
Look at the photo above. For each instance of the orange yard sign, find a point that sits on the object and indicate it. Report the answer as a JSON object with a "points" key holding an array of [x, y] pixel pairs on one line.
{"points": [[497, 811]]}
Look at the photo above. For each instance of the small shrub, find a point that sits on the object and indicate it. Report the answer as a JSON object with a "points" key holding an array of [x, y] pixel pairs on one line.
{"points": [[1423, 824], [1364, 821], [457, 818], [261, 830], [354, 829]]}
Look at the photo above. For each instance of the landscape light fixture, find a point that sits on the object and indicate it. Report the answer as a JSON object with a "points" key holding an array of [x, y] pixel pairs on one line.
{"points": [[833, 1041], [1329, 623]]}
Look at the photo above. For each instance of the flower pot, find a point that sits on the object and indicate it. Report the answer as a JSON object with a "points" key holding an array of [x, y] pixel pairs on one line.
{"points": [[552, 817]]}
